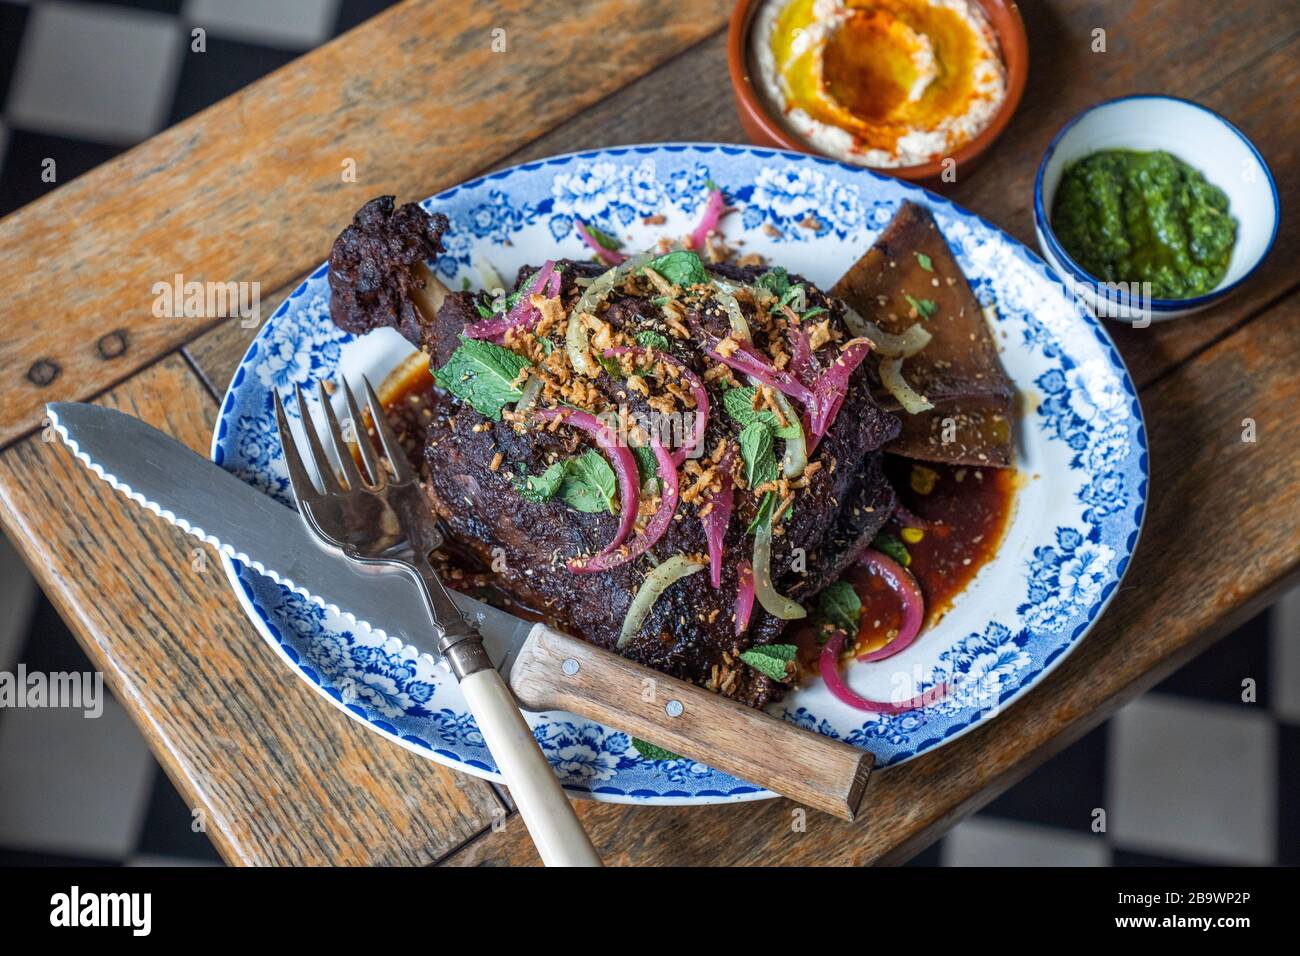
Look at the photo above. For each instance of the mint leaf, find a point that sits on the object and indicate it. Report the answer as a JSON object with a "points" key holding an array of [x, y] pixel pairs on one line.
{"points": [[757, 454], [813, 312], [681, 268], [542, 488], [651, 339], [764, 513], [589, 483], [483, 375], [771, 659], [888, 544], [925, 308], [739, 403], [647, 465], [585, 483], [839, 605], [924, 262], [760, 467], [776, 281], [796, 297], [651, 752]]}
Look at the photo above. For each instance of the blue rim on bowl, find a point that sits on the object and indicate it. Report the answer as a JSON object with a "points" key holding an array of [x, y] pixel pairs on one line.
{"points": [[1079, 274]]}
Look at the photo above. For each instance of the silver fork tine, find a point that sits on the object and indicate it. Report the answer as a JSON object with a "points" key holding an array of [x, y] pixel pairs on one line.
{"points": [[335, 434], [328, 479], [392, 447], [376, 470], [303, 487]]}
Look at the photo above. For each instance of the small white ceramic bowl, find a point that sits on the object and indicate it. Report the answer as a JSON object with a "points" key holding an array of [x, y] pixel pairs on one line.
{"points": [[1199, 137]]}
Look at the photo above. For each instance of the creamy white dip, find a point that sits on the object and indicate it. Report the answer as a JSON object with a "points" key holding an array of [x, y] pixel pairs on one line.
{"points": [[918, 144]]}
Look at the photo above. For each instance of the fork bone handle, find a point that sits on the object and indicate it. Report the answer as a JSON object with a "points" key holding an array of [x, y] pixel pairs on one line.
{"points": [[546, 811], [555, 671], [349, 522]]}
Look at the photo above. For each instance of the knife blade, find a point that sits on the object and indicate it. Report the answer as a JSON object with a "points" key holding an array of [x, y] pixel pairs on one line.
{"points": [[206, 501]]}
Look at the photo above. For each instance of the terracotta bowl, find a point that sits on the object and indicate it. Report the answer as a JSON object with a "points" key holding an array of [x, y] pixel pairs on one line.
{"points": [[767, 129]]}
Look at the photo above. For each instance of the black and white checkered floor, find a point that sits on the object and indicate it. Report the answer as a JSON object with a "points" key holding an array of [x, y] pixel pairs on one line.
{"points": [[81, 82], [1190, 773]]}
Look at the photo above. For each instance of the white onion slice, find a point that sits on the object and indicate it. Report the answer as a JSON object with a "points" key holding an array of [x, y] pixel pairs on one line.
{"points": [[532, 388], [491, 280], [891, 376], [775, 603], [654, 585], [739, 325], [575, 335], [795, 459], [904, 345]]}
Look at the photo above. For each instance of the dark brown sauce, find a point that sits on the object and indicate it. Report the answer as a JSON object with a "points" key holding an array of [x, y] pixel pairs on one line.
{"points": [[407, 395], [966, 512]]}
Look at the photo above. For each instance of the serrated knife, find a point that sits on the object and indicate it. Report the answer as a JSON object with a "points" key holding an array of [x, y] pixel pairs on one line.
{"points": [[545, 669]]}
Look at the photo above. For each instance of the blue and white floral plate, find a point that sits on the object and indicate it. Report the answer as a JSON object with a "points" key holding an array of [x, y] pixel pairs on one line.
{"points": [[1082, 455]]}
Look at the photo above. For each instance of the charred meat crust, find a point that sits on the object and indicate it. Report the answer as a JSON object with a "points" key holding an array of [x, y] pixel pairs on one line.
{"points": [[690, 632], [371, 263]]}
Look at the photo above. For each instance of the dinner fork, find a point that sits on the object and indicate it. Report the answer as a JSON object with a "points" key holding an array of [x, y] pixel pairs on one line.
{"points": [[382, 518]]}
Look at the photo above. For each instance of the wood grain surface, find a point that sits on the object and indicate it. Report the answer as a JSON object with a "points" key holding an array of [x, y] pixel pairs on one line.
{"points": [[1187, 585], [253, 189], [285, 778], [280, 775], [1250, 88]]}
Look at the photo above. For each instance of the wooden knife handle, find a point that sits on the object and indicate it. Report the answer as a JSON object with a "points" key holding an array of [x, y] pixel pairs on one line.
{"points": [[554, 671]]}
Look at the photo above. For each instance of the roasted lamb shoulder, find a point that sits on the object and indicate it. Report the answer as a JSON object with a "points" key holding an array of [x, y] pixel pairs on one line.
{"points": [[489, 465]]}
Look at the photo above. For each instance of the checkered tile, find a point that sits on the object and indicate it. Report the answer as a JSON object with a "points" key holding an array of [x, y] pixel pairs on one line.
{"points": [[294, 24], [80, 81], [1195, 779], [1191, 773], [76, 789], [989, 841], [99, 73]]}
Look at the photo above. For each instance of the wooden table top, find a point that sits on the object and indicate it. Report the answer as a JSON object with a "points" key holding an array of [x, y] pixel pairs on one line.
{"points": [[251, 190]]}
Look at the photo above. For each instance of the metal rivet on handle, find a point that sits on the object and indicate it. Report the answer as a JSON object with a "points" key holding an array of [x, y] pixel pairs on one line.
{"points": [[570, 666], [43, 371], [113, 344], [674, 708]]}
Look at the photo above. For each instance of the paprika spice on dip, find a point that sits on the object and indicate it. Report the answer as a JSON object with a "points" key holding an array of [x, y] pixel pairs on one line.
{"points": [[881, 83]]}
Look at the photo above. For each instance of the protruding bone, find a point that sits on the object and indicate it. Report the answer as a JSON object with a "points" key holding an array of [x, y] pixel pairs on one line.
{"points": [[429, 299]]}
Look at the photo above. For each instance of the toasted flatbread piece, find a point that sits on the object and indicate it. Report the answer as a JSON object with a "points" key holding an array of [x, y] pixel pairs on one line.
{"points": [[910, 276]]}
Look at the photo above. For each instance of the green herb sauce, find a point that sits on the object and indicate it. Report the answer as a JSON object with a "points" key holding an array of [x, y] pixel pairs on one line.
{"points": [[1126, 216]]}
